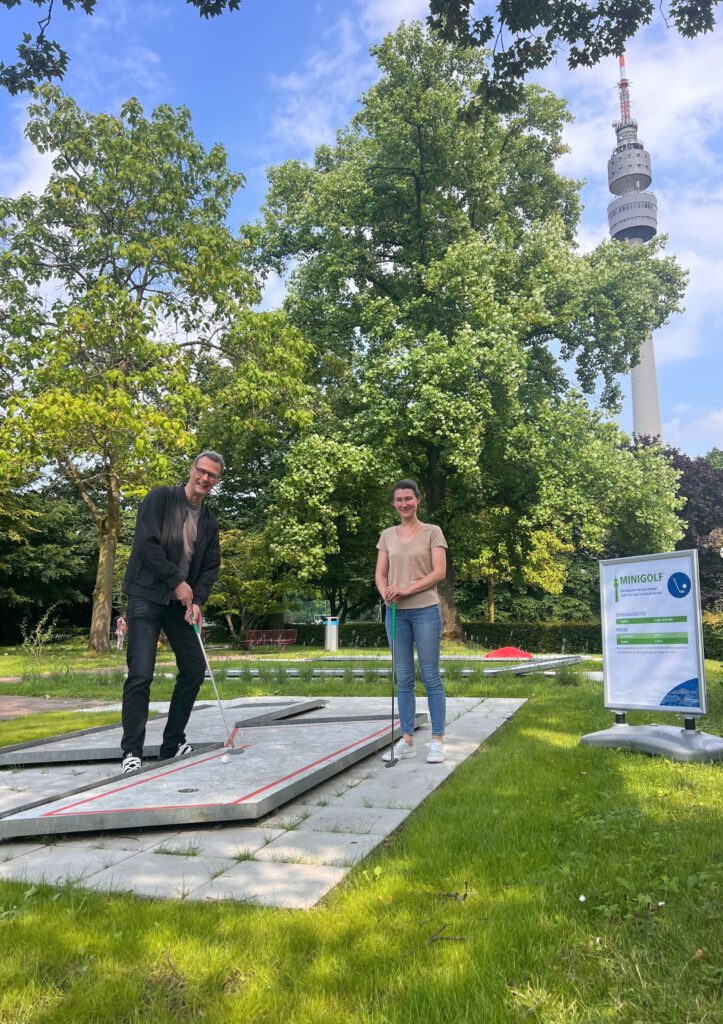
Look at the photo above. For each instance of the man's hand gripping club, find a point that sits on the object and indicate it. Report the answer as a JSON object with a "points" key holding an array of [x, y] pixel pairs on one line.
{"points": [[184, 594]]}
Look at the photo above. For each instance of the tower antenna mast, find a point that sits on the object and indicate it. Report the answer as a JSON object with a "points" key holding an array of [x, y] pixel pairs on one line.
{"points": [[633, 218]]}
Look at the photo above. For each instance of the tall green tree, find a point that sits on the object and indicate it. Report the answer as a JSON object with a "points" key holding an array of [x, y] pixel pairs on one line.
{"points": [[435, 272], [120, 287], [326, 510]]}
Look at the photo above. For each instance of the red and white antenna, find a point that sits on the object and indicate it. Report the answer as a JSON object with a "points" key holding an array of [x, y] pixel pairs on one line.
{"points": [[624, 87]]}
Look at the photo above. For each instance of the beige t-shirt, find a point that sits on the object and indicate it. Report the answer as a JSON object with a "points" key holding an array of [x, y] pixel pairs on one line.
{"points": [[411, 561]]}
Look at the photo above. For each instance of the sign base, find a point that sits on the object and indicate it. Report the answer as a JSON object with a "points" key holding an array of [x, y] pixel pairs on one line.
{"points": [[664, 740]]}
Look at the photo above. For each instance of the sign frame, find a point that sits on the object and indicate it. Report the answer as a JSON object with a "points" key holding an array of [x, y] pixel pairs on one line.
{"points": [[619, 693]]}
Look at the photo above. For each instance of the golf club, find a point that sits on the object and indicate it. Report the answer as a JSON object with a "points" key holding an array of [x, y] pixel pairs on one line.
{"points": [[232, 749], [393, 631]]}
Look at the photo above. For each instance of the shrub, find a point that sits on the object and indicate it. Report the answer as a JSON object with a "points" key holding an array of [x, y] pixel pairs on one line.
{"points": [[538, 637]]}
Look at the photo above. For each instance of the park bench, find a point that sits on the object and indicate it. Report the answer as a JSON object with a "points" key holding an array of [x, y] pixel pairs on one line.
{"points": [[261, 637]]}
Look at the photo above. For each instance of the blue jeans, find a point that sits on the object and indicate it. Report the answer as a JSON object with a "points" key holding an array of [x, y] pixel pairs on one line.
{"points": [[423, 627], [145, 622]]}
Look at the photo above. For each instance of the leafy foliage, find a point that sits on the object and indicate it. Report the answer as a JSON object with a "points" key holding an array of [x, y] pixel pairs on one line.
{"points": [[701, 485], [46, 558], [528, 34]]}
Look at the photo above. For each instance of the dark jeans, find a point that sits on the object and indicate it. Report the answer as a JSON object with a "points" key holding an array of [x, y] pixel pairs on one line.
{"points": [[145, 622]]}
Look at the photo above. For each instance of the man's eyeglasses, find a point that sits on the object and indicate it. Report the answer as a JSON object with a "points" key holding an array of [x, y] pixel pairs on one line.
{"points": [[214, 477]]}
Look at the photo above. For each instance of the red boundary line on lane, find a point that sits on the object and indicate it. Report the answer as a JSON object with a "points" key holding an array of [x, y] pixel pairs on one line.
{"points": [[60, 811], [138, 782]]}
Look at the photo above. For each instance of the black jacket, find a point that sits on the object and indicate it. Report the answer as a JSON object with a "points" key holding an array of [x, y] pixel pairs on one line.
{"points": [[152, 570]]}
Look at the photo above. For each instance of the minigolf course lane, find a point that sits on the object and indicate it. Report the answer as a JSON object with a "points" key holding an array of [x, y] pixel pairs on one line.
{"points": [[277, 762]]}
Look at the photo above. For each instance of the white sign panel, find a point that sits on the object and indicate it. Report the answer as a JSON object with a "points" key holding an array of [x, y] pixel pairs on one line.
{"points": [[652, 634]]}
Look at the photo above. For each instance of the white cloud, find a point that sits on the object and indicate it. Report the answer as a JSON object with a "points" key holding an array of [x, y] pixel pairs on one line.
{"points": [[274, 292], [22, 168], [381, 16], [317, 99], [696, 435], [320, 96], [116, 62], [106, 81]]}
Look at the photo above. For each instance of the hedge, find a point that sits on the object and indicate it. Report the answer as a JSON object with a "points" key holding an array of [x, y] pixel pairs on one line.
{"points": [[535, 637], [569, 637], [713, 639]]}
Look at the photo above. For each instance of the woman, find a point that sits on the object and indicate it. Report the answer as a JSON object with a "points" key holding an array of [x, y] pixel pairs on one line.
{"points": [[411, 562], [121, 627]]}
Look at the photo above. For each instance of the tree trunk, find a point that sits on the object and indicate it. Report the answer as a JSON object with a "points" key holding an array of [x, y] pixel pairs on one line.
{"points": [[229, 623], [99, 639], [451, 622], [434, 493], [490, 600]]}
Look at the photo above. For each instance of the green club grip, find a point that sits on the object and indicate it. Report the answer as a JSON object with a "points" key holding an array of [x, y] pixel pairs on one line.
{"points": [[394, 618]]}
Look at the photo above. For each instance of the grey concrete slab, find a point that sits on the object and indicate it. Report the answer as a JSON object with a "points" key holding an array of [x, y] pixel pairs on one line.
{"points": [[536, 665], [11, 851], [294, 886], [224, 842], [205, 731], [73, 867], [334, 848], [159, 874], [132, 842], [210, 787], [402, 787], [356, 820], [31, 786]]}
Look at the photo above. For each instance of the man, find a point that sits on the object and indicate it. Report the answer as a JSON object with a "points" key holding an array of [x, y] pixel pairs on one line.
{"points": [[173, 566]]}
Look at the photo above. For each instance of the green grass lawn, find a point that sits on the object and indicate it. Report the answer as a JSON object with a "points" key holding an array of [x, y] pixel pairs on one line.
{"points": [[594, 884]]}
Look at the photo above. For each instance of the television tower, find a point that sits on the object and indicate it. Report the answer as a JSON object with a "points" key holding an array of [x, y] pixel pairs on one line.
{"points": [[633, 217]]}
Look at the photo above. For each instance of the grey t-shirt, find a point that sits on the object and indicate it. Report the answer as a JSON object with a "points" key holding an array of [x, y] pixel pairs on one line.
{"points": [[190, 533]]}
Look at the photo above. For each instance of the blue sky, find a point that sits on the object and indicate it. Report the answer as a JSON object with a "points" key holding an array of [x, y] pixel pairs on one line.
{"points": [[278, 77]]}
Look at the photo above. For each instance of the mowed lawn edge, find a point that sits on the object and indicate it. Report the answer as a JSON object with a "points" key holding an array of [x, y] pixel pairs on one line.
{"points": [[544, 881]]}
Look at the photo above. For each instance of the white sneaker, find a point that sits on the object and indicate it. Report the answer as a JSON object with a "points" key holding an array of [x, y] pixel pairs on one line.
{"points": [[436, 753], [185, 750], [402, 749], [131, 763]]}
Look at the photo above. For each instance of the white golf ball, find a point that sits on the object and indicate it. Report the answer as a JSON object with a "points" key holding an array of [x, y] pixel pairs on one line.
{"points": [[225, 758]]}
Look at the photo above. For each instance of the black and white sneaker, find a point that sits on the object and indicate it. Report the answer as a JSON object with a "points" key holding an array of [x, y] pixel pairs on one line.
{"points": [[131, 763], [185, 750]]}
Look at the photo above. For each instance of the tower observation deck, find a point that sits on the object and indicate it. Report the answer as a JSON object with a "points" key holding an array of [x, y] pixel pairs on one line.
{"points": [[633, 218]]}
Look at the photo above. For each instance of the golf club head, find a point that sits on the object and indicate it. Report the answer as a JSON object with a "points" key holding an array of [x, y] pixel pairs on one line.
{"points": [[391, 762]]}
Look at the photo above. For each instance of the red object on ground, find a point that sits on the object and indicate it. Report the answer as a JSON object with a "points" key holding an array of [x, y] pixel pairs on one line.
{"points": [[508, 652]]}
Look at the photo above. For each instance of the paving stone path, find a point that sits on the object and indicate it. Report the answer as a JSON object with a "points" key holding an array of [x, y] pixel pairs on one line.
{"points": [[17, 707], [291, 858]]}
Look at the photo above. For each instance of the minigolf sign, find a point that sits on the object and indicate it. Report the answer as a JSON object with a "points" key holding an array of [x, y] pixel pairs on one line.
{"points": [[652, 633]]}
